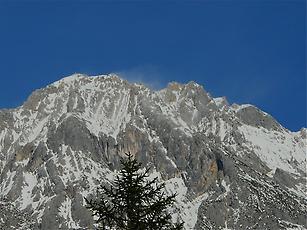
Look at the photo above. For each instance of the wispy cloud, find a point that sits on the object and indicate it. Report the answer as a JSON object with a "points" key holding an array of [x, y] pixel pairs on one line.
{"points": [[148, 75]]}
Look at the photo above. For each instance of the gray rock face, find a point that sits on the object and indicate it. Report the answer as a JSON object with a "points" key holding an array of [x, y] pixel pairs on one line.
{"points": [[233, 166], [251, 115]]}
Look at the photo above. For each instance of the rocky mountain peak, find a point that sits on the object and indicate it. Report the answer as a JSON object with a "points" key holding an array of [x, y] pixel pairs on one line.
{"points": [[227, 163]]}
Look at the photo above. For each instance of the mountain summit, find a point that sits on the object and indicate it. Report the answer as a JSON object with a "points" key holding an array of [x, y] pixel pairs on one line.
{"points": [[233, 166]]}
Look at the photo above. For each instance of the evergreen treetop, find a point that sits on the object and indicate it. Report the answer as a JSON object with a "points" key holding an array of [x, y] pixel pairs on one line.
{"points": [[133, 202]]}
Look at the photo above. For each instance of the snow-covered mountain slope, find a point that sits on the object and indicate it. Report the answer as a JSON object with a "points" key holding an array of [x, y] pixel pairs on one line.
{"points": [[233, 166]]}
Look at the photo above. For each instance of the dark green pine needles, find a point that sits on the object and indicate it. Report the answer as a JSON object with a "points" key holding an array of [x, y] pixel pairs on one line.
{"points": [[133, 202]]}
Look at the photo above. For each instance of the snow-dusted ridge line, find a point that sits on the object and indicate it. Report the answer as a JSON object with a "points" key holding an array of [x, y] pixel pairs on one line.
{"points": [[67, 137]]}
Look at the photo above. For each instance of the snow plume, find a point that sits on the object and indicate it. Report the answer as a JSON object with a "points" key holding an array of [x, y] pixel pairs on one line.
{"points": [[147, 75]]}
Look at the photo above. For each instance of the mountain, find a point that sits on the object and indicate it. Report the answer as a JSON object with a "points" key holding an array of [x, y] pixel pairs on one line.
{"points": [[233, 166]]}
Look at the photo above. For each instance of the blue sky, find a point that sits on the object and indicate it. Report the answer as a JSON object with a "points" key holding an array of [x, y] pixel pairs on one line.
{"points": [[249, 51]]}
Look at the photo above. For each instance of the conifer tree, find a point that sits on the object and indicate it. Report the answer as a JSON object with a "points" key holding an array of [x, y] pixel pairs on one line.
{"points": [[133, 202]]}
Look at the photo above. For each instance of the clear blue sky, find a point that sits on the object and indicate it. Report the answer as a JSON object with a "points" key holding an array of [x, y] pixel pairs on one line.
{"points": [[250, 51]]}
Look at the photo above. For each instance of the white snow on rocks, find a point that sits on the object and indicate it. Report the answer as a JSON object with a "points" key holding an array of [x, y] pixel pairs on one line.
{"points": [[65, 212], [236, 107], [188, 210], [276, 149], [104, 102], [7, 186], [26, 193]]}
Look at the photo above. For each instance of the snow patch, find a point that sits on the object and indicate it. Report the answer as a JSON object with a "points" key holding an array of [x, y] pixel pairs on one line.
{"points": [[188, 209], [276, 149], [65, 212], [223, 129], [26, 193]]}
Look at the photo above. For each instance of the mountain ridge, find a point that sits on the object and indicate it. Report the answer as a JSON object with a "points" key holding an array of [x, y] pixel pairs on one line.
{"points": [[56, 146]]}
